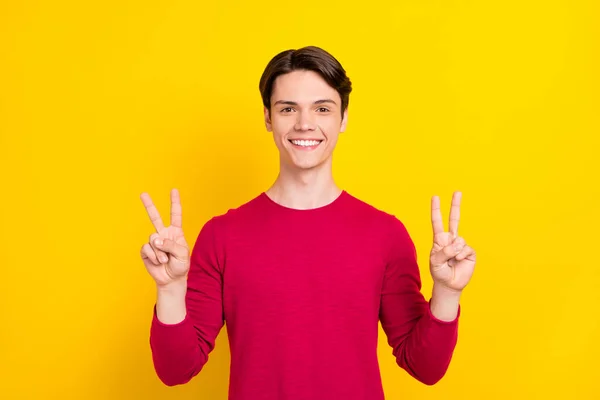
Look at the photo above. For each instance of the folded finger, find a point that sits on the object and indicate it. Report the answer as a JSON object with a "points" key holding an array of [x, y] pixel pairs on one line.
{"points": [[458, 244], [148, 253], [466, 252], [161, 255], [178, 251]]}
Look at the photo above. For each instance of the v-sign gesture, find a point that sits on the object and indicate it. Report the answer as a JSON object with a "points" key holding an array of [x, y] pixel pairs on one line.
{"points": [[166, 255], [451, 262]]}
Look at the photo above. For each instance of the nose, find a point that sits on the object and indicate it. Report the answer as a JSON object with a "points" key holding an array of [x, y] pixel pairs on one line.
{"points": [[304, 122]]}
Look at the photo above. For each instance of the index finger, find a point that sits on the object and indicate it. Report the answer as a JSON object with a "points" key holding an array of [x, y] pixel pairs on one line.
{"points": [[436, 216], [455, 214], [152, 212], [175, 208]]}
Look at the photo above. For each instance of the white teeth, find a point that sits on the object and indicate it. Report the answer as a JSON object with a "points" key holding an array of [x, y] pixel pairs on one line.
{"points": [[306, 143]]}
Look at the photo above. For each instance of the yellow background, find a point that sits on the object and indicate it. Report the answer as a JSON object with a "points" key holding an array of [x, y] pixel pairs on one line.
{"points": [[102, 101]]}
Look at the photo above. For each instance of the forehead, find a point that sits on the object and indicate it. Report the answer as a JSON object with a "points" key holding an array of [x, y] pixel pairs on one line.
{"points": [[302, 86]]}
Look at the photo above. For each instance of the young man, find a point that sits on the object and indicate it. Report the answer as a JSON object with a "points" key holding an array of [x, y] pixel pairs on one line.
{"points": [[303, 272]]}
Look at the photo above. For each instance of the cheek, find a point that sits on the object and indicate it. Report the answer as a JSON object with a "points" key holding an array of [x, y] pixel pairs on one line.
{"points": [[331, 128], [279, 132], [281, 126]]}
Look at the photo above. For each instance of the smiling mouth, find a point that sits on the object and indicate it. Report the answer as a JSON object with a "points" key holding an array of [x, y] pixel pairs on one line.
{"points": [[305, 144]]}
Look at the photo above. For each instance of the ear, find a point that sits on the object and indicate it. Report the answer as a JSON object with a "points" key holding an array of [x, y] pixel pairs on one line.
{"points": [[268, 124], [344, 120]]}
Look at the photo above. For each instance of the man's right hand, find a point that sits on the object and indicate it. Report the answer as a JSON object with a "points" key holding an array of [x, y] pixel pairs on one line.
{"points": [[168, 263]]}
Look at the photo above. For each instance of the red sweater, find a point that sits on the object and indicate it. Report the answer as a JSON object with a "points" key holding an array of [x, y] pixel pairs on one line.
{"points": [[301, 293]]}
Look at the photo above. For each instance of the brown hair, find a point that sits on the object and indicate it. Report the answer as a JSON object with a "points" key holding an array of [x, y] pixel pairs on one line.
{"points": [[306, 58]]}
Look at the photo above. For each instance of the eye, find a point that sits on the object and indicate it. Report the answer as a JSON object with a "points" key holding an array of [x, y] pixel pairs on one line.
{"points": [[287, 109], [323, 109]]}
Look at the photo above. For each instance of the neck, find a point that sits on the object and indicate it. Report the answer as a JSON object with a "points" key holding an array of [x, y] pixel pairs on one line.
{"points": [[304, 189]]}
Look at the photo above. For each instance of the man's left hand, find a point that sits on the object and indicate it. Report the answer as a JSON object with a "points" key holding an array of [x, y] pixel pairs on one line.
{"points": [[451, 261]]}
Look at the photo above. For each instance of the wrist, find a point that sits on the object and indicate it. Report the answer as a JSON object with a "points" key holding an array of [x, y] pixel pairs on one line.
{"points": [[175, 288], [445, 292], [170, 303], [444, 302]]}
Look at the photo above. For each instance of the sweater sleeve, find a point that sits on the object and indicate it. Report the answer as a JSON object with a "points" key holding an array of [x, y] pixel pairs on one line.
{"points": [[179, 351], [422, 344]]}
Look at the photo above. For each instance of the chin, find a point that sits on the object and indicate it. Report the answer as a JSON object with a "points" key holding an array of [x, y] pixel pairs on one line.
{"points": [[307, 165], [303, 162]]}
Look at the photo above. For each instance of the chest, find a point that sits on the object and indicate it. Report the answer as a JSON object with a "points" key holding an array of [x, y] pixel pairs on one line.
{"points": [[320, 274]]}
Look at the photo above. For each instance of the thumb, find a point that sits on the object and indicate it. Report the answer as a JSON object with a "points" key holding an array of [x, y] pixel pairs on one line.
{"points": [[176, 250]]}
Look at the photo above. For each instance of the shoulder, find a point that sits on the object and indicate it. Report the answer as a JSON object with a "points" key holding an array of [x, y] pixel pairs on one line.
{"points": [[218, 230], [384, 219], [247, 212], [397, 240]]}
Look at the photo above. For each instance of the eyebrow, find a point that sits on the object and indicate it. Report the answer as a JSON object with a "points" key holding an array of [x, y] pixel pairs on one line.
{"points": [[293, 103]]}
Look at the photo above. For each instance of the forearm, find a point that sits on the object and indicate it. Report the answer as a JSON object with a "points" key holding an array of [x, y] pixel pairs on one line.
{"points": [[175, 353], [444, 303], [427, 351], [170, 303]]}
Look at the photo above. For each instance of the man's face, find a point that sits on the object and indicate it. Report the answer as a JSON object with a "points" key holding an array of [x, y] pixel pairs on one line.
{"points": [[305, 119]]}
